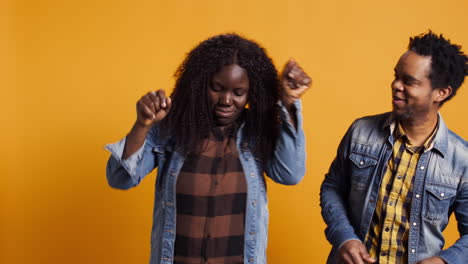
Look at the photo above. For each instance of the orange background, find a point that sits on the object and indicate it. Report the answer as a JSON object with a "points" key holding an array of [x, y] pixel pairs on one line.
{"points": [[72, 71]]}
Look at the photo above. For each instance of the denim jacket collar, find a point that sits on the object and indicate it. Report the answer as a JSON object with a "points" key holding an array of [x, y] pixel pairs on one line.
{"points": [[440, 140]]}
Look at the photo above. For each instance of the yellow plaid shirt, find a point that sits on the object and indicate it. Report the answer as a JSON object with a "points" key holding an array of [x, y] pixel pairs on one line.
{"points": [[387, 238]]}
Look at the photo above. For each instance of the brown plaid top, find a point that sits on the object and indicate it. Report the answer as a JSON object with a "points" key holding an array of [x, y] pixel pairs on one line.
{"points": [[211, 198]]}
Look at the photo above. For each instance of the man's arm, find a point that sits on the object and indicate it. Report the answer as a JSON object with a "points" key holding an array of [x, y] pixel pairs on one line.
{"points": [[333, 193], [458, 252]]}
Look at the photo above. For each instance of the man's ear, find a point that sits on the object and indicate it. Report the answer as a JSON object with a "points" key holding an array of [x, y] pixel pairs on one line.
{"points": [[442, 94]]}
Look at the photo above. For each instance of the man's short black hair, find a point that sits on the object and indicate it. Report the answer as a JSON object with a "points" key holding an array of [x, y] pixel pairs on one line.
{"points": [[449, 64]]}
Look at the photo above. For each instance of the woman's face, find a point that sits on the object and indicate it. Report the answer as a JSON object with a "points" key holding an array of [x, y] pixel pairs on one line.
{"points": [[228, 93]]}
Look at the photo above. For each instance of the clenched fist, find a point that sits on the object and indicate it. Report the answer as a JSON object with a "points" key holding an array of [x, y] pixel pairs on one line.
{"points": [[294, 82], [152, 107]]}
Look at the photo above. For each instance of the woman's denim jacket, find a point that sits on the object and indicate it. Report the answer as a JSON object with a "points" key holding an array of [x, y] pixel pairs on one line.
{"points": [[286, 167], [350, 189]]}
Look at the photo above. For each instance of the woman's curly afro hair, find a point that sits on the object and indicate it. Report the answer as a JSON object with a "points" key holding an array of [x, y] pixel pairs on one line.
{"points": [[191, 119]]}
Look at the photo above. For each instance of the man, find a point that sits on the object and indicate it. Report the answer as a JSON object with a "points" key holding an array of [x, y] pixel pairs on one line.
{"points": [[398, 176], [212, 152]]}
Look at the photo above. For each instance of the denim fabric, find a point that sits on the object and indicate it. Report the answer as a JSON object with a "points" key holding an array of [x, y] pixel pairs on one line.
{"points": [[349, 192], [286, 167]]}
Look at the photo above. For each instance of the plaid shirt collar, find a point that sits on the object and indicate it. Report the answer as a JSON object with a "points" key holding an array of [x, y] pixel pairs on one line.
{"points": [[397, 131]]}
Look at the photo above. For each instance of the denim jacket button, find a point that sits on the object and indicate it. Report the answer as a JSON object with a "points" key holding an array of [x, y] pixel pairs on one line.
{"points": [[422, 167], [417, 195], [251, 260]]}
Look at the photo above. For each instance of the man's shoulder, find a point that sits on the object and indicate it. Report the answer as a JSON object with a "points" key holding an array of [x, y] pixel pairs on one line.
{"points": [[458, 142], [456, 155], [379, 121]]}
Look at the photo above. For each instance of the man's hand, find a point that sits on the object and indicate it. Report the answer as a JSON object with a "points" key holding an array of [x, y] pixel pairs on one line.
{"points": [[152, 107], [432, 260], [294, 82], [353, 252]]}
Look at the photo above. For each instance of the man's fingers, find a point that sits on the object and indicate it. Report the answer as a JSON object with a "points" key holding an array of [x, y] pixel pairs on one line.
{"points": [[365, 255], [357, 259], [347, 259]]}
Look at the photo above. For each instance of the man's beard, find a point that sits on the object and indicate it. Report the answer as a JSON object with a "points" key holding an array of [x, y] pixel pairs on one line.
{"points": [[410, 114]]}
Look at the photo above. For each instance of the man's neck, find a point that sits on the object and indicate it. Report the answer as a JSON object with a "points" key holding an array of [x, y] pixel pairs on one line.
{"points": [[419, 130]]}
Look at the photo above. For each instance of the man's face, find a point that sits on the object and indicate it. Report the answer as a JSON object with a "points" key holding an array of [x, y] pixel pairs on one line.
{"points": [[228, 93], [413, 96]]}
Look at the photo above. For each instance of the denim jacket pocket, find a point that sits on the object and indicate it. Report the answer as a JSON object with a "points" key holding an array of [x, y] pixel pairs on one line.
{"points": [[437, 202], [362, 168]]}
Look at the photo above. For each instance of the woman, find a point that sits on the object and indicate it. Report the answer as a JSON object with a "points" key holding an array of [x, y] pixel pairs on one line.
{"points": [[228, 120]]}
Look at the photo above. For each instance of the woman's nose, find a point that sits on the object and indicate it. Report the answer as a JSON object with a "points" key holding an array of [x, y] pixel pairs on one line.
{"points": [[225, 99]]}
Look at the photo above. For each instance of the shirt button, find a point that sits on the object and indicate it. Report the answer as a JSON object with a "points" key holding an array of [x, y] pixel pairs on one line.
{"points": [[383, 254], [391, 203], [399, 177], [422, 167], [387, 229]]}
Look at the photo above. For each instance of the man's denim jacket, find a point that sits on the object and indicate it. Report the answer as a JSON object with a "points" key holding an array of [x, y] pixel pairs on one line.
{"points": [[350, 190], [286, 167]]}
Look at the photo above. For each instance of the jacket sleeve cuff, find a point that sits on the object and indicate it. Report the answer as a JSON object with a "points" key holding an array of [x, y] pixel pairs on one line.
{"points": [[284, 116], [451, 256], [131, 163], [344, 242], [342, 235]]}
